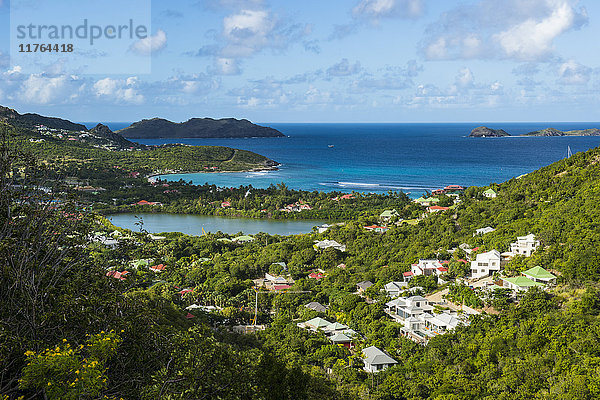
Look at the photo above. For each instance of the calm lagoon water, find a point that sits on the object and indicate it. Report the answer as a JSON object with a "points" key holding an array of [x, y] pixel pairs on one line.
{"points": [[382, 157], [193, 224]]}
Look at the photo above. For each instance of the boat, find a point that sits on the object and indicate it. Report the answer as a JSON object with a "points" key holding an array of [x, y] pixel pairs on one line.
{"points": [[330, 146]]}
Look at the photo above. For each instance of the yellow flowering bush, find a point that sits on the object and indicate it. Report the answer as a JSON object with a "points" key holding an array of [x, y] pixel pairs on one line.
{"points": [[68, 373]]}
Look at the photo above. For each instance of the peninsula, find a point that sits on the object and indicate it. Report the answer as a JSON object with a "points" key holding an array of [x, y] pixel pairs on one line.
{"points": [[158, 128]]}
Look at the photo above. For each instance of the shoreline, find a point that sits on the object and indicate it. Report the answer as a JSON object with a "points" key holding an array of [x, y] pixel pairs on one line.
{"points": [[259, 169]]}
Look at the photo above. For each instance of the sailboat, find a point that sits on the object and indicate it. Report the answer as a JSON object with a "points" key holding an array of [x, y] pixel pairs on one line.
{"points": [[569, 153]]}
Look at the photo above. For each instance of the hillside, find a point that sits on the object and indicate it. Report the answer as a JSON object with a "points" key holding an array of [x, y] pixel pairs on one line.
{"points": [[146, 333], [197, 128], [31, 120], [100, 149]]}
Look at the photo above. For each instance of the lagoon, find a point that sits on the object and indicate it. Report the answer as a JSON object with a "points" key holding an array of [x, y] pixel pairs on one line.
{"points": [[193, 224]]}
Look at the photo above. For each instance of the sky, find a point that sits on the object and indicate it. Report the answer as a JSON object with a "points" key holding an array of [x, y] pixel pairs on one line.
{"points": [[316, 61]]}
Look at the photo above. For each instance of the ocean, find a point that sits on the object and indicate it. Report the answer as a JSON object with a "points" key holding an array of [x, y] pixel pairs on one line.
{"points": [[383, 157]]}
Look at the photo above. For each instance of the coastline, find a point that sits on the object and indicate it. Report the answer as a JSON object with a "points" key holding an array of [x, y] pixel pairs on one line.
{"points": [[151, 177]]}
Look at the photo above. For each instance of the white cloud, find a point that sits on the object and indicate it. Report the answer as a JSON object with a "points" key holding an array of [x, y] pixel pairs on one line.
{"points": [[465, 78], [16, 70], [573, 73], [532, 38], [375, 9], [40, 89], [150, 44], [372, 11], [344, 68], [247, 32], [516, 29], [118, 90]]}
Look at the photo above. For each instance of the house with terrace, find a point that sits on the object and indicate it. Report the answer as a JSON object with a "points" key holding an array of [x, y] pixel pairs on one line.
{"points": [[525, 245]]}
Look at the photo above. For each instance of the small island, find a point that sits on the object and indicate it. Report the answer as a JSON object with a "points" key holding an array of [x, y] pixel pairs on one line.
{"points": [[484, 131], [158, 128]]}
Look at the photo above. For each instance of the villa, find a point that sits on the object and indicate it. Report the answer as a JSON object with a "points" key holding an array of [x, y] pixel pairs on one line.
{"points": [[483, 231], [376, 360], [539, 274], [485, 264], [364, 285], [393, 289], [325, 244], [387, 215], [525, 245], [519, 283], [426, 202], [243, 239], [342, 339], [316, 306], [490, 194], [314, 324], [427, 268], [434, 209]]}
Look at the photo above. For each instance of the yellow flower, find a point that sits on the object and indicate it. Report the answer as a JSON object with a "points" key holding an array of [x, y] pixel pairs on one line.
{"points": [[29, 353], [64, 340], [77, 371], [49, 384]]}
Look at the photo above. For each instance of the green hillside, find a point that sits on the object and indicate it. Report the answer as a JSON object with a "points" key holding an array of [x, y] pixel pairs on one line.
{"points": [[69, 330]]}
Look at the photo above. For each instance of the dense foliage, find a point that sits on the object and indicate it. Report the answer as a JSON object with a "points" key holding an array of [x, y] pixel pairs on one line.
{"points": [[58, 305]]}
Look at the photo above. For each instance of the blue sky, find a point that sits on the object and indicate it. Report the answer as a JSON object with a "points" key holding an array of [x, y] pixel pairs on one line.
{"points": [[336, 61]]}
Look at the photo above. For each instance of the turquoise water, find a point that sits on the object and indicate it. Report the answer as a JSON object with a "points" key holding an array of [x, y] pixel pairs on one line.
{"points": [[193, 224], [382, 157]]}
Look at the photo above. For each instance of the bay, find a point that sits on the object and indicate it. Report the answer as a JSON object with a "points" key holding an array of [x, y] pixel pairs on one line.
{"points": [[382, 157], [193, 224]]}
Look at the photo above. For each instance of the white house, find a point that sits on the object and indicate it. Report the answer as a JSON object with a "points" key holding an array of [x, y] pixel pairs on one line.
{"points": [[483, 231], [428, 267], [393, 289], [419, 321], [485, 264], [387, 215], [490, 194], [376, 360], [325, 244], [525, 245], [403, 309], [323, 228], [440, 323]]}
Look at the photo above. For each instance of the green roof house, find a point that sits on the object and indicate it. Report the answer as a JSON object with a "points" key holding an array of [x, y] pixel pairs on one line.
{"points": [[490, 194], [388, 214], [539, 274], [317, 323], [243, 239], [519, 283]]}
